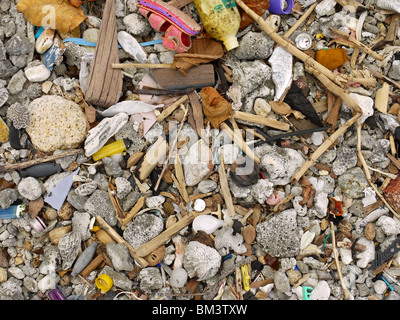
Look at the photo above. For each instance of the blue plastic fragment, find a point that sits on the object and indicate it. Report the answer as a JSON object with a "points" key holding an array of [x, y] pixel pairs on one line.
{"points": [[59, 193], [84, 42], [39, 32]]}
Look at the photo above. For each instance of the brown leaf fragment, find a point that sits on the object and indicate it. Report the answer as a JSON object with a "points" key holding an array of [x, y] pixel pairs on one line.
{"points": [[55, 14]]}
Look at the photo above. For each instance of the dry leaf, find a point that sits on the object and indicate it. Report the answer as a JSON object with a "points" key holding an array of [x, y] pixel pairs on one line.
{"points": [[215, 107], [55, 14], [205, 46]]}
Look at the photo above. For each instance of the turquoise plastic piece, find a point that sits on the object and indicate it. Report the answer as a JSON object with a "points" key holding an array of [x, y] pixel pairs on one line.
{"points": [[307, 293]]}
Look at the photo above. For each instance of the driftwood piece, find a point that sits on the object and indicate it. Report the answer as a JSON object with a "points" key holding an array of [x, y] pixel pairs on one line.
{"points": [[105, 83], [382, 98], [167, 111], [226, 193], [29, 163], [159, 240], [196, 77], [155, 153], [261, 120], [393, 26], [338, 267], [92, 265], [238, 140]]}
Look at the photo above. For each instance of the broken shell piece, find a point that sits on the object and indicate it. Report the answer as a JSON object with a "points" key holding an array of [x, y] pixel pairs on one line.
{"points": [[281, 62], [178, 278], [206, 223], [45, 40], [244, 171], [56, 234]]}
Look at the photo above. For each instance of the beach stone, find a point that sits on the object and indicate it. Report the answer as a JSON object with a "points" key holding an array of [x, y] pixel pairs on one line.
{"points": [[207, 186], [254, 45], [18, 45], [278, 236], [321, 291], [346, 159], [201, 261], [353, 183], [150, 279], [137, 25], [197, 163], [143, 228], [30, 188], [261, 190], [389, 5], [281, 281], [19, 115], [8, 197], [281, 62], [261, 107], [120, 279], [394, 72], [280, 164], [16, 83], [123, 187], [56, 123], [99, 204], [119, 256], [37, 72], [7, 69]]}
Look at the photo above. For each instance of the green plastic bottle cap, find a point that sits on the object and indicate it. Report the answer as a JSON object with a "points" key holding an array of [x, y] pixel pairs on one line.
{"points": [[231, 43]]}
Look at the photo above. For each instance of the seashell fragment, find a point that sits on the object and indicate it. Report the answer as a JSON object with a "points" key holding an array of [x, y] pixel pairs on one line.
{"points": [[56, 234], [206, 223], [45, 40], [69, 247]]}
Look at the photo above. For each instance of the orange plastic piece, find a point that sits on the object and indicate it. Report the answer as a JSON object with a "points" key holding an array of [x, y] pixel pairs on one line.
{"points": [[335, 207], [78, 3], [331, 58], [258, 6]]}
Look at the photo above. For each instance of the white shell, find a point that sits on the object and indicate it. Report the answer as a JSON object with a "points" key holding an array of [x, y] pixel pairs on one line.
{"points": [[206, 223], [199, 205]]}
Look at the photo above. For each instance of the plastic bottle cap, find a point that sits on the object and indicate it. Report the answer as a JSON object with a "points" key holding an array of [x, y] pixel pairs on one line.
{"points": [[104, 282], [278, 6], [303, 41], [231, 43]]}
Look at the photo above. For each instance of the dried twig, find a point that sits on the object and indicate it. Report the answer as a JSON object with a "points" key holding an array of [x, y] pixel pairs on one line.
{"points": [[339, 269]]}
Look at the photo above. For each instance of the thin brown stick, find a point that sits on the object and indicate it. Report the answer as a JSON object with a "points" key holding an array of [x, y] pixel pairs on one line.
{"points": [[284, 43], [301, 20], [171, 149], [29, 163], [357, 43], [338, 267], [142, 65], [368, 174]]}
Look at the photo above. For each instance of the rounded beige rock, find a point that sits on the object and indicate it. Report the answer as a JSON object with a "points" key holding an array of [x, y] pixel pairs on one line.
{"points": [[56, 123]]}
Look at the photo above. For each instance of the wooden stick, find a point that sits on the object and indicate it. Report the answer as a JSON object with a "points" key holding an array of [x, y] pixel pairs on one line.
{"points": [[324, 146], [181, 179], [368, 174], [159, 240], [391, 33], [226, 193], [119, 239], [142, 65], [237, 139], [301, 20], [339, 269], [171, 150], [29, 163], [196, 55], [166, 112], [284, 43], [358, 44], [132, 213], [155, 153], [261, 120], [92, 265]]}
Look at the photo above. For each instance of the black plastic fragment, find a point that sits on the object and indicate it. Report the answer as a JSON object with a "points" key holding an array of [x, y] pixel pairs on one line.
{"points": [[382, 256], [41, 170], [14, 136], [298, 101]]}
